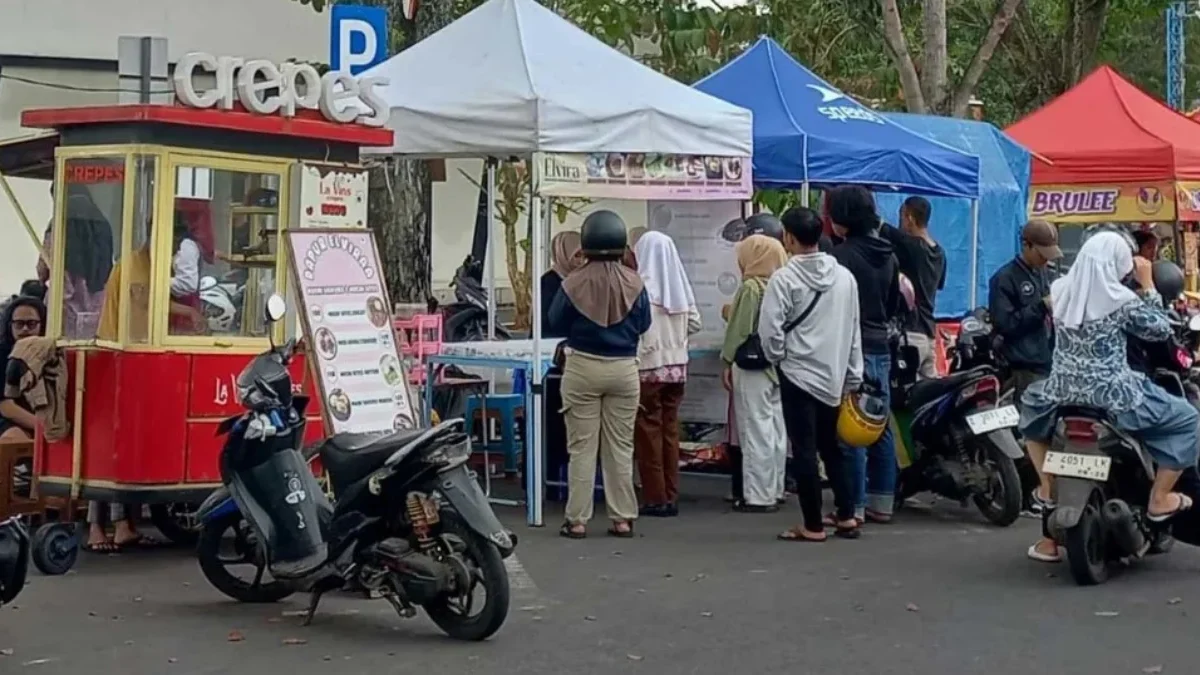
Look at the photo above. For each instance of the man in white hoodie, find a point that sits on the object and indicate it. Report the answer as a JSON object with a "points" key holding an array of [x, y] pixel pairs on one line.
{"points": [[809, 328]]}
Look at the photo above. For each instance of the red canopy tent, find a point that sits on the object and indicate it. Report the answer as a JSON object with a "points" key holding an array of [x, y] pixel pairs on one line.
{"points": [[1106, 130]]}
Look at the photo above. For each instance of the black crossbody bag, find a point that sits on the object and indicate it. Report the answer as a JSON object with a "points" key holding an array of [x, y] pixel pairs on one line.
{"points": [[750, 355]]}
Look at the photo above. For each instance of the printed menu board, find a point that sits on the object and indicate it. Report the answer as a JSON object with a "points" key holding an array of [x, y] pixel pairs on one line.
{"points": [[331, 196], [348, 330]]}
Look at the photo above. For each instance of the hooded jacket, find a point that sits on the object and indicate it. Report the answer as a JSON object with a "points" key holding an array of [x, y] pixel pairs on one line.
{"points": [[822, 355], [872, 261], [36, 372]]}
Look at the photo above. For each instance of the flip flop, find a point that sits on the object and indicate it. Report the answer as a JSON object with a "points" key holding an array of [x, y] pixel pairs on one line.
{"points": [[1034, 554], [796, 537], [831, 520], [1185, 503], [566, 532], [878, 518], [141, 543], [621, 534], [848, 532], [102, 548]]}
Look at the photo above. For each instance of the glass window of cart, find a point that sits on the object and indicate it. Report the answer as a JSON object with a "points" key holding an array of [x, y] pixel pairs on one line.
{"points": [[223, 248], [93, 208]]}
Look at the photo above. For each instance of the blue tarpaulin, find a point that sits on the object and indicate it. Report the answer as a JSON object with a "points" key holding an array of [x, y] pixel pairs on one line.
{"points": [[806, 131], [1003, 195]]}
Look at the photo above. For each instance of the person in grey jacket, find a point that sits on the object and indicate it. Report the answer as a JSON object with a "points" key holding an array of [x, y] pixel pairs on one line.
{"points": [[809, 327]]}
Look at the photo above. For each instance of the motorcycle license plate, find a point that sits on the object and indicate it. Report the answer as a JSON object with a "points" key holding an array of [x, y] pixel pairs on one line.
{"points": [[1091, 467], [990, 420]]}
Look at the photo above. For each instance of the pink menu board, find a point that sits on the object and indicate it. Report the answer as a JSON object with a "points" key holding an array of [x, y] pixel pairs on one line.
{"points": [[348, 330]]}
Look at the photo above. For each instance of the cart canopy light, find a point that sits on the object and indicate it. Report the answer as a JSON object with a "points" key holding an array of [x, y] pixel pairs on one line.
{"points": [[265, 88]]}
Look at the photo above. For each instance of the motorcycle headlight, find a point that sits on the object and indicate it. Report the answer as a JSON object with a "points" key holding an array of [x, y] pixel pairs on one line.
{"points": [[450, 455]]}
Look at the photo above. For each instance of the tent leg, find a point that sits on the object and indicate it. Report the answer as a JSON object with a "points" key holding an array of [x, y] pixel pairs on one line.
{"points": [[974, 252], [490, 263], [535, 456], [804, 196]]}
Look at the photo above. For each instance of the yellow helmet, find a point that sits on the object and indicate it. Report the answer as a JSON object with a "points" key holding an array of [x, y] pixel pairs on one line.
{"points": [[862, 418]]}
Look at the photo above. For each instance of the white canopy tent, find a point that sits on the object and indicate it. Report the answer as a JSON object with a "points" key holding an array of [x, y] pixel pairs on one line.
{"points": [[514, 79]]}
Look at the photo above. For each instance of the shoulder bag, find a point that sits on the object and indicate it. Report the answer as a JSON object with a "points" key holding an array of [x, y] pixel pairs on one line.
{"points": [[750, 355]]}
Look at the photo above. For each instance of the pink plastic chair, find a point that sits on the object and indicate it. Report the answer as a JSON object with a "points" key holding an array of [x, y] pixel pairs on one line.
{"points": [[419, 336]]}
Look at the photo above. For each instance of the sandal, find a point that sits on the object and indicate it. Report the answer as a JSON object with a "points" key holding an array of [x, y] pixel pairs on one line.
{"points": [[847, 532], [743, 507], [1185, 503], [800, 536], [106, 547], [878, 518], [831, 520], [1034, 554], [613, 531], [568, 530], [139, 543]]}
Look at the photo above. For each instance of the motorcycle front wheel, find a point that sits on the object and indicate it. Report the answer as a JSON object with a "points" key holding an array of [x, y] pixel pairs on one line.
{"points": [[1001, 503], [485, 567], [216, 560]]}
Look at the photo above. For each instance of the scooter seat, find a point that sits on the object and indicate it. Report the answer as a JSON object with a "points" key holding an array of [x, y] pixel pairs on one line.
{"points": [[351, 457], [1098, 414], [928, 390]]}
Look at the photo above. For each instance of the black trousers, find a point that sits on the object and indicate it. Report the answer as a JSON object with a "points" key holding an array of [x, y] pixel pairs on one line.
{"points": [[812, 429]]}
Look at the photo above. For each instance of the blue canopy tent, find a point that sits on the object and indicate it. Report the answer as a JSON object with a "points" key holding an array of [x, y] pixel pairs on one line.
{"points": [[806, 132], [1004, 168]]}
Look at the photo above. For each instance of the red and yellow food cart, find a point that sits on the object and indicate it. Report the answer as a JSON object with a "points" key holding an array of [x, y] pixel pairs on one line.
{"points": [[164, 247]]}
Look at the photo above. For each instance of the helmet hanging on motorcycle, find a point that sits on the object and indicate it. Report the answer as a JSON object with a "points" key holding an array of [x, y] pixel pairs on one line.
{"points": [[603, 235], [862, 417], [764, 223], [1168, 280]]}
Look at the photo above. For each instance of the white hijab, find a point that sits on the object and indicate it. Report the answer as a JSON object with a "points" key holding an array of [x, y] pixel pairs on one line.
{"points": [[1092, 289], [662, 271]]}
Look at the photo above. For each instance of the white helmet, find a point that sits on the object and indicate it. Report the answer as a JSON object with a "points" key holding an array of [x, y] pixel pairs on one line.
{"points": [[218, 309]]}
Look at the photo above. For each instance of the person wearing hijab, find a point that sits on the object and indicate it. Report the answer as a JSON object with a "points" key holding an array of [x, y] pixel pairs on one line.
{"points": [[88, 259], [1093, 312], [663, 359], [603, 310], [565, 257], [761, 456]]}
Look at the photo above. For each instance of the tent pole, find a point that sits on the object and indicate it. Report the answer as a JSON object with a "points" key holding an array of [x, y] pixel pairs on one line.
{"points": [[535, 458], [803, 194], [974, 251], [491, 248]]}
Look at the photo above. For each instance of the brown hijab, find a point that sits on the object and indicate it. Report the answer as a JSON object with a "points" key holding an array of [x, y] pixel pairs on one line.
{"points": [[564, 253], [603, 290], [758, 256]]}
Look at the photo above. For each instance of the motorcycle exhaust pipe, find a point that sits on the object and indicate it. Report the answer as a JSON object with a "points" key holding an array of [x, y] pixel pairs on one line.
{"points": [[1121, 524]]}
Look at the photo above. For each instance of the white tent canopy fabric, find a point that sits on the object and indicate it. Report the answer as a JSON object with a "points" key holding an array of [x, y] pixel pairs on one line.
{"points": [[512, 78]]}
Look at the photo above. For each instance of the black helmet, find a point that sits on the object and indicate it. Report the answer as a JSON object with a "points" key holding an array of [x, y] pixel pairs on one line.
{"points": [[1168, 280], [764, 223], [603, 234]]}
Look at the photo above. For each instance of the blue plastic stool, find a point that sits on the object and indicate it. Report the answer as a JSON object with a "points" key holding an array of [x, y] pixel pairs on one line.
{"points": [[506, 407]]}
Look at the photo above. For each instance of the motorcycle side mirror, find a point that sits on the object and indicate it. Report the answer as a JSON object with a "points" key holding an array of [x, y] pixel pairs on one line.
{"points": [[1193, 324], [276, 308]]}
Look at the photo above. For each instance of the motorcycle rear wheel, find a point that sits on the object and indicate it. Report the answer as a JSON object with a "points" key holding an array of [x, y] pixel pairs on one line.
{"points": [[1002, 504], [1087, 548], [208, 554], [489, 571]]}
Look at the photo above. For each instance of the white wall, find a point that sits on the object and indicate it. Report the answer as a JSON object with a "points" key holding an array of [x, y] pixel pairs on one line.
{"points": [[454, 204]]}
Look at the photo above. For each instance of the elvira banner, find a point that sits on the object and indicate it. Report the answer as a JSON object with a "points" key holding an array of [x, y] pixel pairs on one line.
{"points": [[644, 176]]}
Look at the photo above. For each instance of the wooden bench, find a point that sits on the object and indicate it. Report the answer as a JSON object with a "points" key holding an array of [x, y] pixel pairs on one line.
{"points": [[11, 454]]}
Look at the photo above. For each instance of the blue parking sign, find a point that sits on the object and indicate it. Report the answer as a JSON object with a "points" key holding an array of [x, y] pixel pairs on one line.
{"points": [[358, 37]]}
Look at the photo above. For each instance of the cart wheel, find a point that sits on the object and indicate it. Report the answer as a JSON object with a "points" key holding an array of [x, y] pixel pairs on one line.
{"points": [[177, 522], [55, 548]]}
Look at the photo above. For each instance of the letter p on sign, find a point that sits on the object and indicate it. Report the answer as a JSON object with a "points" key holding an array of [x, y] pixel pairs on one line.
{"points": [[358, 37]]}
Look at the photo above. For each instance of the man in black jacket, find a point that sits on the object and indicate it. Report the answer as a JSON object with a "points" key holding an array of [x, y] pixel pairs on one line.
{"points": [[1019, 302], [872, 261]]}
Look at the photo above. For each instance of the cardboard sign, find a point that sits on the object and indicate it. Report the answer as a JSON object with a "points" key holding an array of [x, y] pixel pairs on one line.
{"points": [[348, 330]]}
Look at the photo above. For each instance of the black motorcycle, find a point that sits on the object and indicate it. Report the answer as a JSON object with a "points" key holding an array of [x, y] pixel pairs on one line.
{"points": [[467, 319], [1103, 476], [410, 522], [14, 559], [957, 438]]}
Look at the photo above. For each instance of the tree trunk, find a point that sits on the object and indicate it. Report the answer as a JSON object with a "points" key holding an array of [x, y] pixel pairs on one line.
{"points": [[1085, 28], [934, 58], [1005, 11], [401, 196], [897, 45]]}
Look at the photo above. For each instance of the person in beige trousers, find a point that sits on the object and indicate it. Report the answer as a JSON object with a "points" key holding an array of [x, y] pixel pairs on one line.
{"points": [[602, 309]]}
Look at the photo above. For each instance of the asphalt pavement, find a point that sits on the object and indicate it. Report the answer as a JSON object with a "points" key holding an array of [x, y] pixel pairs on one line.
{"points": [[939, 591]]}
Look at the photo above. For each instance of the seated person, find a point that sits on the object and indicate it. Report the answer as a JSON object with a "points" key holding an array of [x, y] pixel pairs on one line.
{"points": [[186, 317], [24, 317], [1093, 311]]}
